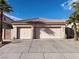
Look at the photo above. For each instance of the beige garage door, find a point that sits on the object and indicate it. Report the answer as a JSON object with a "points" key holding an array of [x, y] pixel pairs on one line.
{"points": [[25, 33], [50, 33]]}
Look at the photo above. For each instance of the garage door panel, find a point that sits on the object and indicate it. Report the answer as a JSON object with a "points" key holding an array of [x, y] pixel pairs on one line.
{"points": [[25, 33], [50, 33]]}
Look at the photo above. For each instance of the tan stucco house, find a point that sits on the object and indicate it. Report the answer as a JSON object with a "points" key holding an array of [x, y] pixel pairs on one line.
{"points": [[36, 28]]}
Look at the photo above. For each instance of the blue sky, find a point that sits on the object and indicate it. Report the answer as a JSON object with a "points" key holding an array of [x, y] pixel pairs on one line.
{"points": [[50, 9]]}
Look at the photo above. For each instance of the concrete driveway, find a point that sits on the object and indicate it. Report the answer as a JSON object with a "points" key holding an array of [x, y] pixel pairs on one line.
{"points": [[41, 49]]}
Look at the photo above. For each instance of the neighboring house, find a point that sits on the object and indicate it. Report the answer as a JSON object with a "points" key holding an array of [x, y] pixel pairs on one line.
{"points": [[38, 28], [7, 26], [77, 27]]}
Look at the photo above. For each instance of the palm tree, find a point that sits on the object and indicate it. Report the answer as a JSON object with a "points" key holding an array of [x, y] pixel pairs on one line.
{"points": [[4, 7], [74, 18]]}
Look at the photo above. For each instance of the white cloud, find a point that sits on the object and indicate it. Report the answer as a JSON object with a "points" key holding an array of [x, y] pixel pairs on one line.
{"points": [[68, 4]]}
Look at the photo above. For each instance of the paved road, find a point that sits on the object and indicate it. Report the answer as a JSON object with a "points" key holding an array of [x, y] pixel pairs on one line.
{"points": [[41, 49]]}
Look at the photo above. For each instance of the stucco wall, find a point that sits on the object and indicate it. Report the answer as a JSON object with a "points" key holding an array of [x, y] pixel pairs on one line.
{"points": [[14, 33]]}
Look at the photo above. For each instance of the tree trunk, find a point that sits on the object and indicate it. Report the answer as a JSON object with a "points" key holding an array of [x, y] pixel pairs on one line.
{"points": [[1, 25], [75, 32]]}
